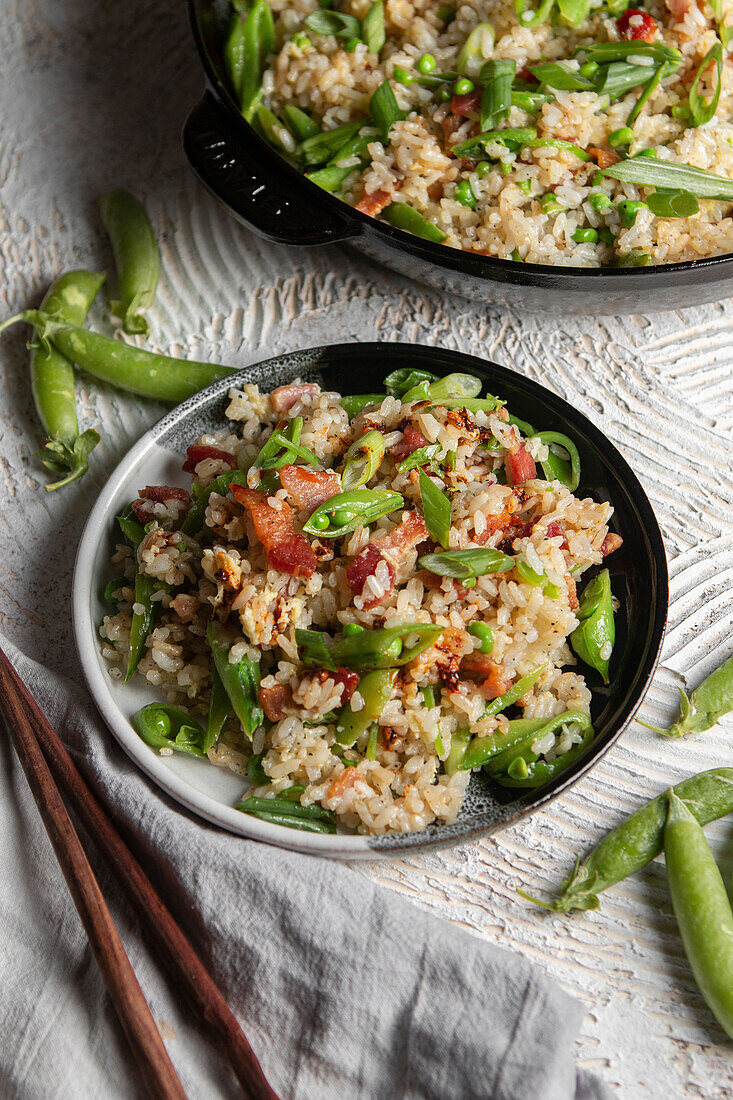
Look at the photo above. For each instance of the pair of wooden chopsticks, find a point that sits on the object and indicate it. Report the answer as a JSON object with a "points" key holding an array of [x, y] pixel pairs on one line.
{"points": [[42, 753]]}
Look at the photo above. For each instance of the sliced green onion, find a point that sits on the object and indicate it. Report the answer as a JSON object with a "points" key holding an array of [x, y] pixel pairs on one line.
{"points": [[530, 575], [603, 52], [485, 635], [436, 509], [372, 27], [629, 211], [557, 143], [384, 109], [423, 456], [511, 138], [362, 460], [300, 124], [476, 49], [647, 172], [420, 392], [558, 75], [405, 217], [673, 204], [465, 385], [464, 564], [618, 78], [557, 468], [333, 22], [703, 111], [533, 19], [530, 101], [463, 194], [496, 99]]}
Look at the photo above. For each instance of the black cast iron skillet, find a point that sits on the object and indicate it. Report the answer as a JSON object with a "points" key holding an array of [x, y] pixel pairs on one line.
{"points": [[638, 570], [271, 197]]}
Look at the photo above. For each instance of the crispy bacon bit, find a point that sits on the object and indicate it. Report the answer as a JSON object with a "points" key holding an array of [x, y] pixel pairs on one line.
{"points": [[389, 739], [436, 191], [603, 155], [636, 25], [156, 494], [412, 440], [611, 542], [410, 533], [449, 672], [556, 529], [197, 452], [434, 583], [284, 397], [515, 530], [374, 203], [365, 565], [309, 488], [572, 591], [464, 104], [275, 700], [519, 466], [287, 549], [348, 679]]}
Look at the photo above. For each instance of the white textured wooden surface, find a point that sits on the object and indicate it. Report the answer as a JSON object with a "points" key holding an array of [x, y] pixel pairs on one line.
{"points": [[94, 95]]}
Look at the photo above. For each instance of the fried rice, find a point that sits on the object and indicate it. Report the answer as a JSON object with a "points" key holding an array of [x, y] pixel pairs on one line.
{"points": [[542, 203], [394, 778]]}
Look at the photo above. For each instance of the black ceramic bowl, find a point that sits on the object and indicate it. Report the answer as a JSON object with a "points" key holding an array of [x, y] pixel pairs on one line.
{"points": [[271, 197], [638, 569]]}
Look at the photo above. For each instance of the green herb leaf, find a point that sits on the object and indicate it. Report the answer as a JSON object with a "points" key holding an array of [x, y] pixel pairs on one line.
{"points": [[384, 109], [436, 508], [333, 22], [560, 76], [496, 99], [702, 112], [373, 27], [648, 172], [463, 564], [313, 649]]}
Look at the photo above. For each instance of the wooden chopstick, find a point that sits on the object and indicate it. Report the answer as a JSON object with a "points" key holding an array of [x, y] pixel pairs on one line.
{"points": [[119, 977], [174, 949]]}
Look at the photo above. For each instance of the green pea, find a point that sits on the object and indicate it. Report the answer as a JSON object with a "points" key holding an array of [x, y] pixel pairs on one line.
{"points": [[526, 186], [600, 201], [628, 209], [321, 522], [394, 649], [550, 204], [402, 76], [463, 86], [350, 44], [352, 629], [464, 195], [681, 113], [426, 64], [301, 40], [485, 634], [585, 236], [483, 168], [623, 136], [443, 95], [605, 235], [341, 517], [588, 70]]}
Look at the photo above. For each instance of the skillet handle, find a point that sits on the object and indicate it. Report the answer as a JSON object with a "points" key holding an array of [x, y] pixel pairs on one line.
{"points": [[260, 197]]}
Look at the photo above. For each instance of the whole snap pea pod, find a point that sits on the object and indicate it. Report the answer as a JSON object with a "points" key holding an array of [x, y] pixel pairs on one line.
{"points": [[68, 300], [702, 909], [346, 511], [145, 373], [136, 257], [166, 727], [636, 841], [375, 689], [594, 638], [708, 703]]}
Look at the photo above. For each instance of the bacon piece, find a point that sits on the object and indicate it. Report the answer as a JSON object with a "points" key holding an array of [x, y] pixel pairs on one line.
{"points": [[525, 74], [519, 466], [287, 549], [365, 565], [464, 104], [284, 397], [553, 530], [348, 679], [479, 666], [185, 606], [374, 203], [515, 530], [343, 782], [572, 592], [636, 25], [156, 494], [275, 699], [309, 488], [611, 542], [433, 582], [412, 440], [410, 533], [603, 155], [197, 452]]}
